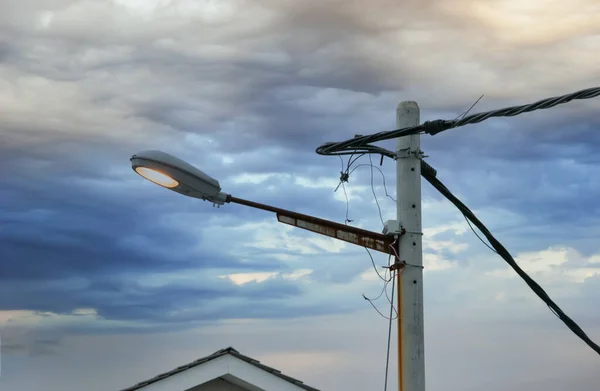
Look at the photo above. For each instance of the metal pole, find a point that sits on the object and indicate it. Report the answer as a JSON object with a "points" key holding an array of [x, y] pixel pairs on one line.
{"points": [[411, 352]]}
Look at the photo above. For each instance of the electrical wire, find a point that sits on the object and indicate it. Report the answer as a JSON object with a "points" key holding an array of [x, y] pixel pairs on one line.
{"points": [[375, 267], [382, 177], [345, 176], [386, 281], [375, 195], [391, 299], [360, 144], [469, 109], [347, 205], [342, 177], [479, 237], [374, 299], [391, 317], [380, 293], [351, 162], [503, 252], [389, 337]]}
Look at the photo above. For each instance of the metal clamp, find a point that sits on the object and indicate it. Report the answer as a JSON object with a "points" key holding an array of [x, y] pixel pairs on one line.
{"points": [[408, 152], [401, 265]]}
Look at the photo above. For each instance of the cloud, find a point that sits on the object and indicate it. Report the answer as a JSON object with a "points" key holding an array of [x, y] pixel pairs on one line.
{"points": [[246, 91], [346, 345]]}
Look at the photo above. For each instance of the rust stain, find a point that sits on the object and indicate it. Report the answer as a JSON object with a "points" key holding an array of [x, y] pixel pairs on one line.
{"points": [[364, 240]]}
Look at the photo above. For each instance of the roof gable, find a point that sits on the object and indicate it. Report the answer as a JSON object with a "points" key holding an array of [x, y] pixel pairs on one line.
{"points": [[228, 364]]}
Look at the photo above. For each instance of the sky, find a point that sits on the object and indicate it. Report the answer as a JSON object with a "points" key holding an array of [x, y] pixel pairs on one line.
{"points": [[107, 280]]}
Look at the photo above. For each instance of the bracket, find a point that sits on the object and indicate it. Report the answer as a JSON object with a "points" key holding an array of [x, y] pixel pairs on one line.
{"points": [[398, 265], [408, 152]]}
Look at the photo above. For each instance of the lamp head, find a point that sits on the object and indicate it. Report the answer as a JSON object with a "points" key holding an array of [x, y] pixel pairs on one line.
{"points": [[175, 174]]}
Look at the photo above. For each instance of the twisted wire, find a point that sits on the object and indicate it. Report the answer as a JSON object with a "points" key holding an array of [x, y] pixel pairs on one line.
{"points": [[360, 144]]}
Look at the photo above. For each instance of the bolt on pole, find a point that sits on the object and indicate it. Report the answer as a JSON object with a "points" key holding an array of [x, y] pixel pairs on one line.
{"points": [[411, 350]]}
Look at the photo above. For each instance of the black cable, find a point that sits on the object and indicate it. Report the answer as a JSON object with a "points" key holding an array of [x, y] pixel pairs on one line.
{"points": [[342, 180], [389, 337], [469, 109], [361, 143], [339, 149], [375, 195], [527, 108], [351, 162], [347, 204], [499, 248]]}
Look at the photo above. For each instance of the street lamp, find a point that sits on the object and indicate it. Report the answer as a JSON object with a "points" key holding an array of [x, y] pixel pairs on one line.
{"points": [[175, 174]]}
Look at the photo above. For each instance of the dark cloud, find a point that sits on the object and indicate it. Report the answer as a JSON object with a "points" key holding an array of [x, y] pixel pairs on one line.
{"points": [[179, 303], [35, 348], [252, 93], [65, 247]]}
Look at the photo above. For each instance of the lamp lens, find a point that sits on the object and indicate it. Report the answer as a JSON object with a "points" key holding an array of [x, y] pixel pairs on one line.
{"points": [[157, 177]]}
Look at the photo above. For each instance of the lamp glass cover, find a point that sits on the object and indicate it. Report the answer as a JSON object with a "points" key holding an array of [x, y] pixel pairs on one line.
{"points": [[157, 177]]}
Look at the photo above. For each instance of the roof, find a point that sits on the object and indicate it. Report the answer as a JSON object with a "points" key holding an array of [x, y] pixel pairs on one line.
{"points": [[231, 351]]}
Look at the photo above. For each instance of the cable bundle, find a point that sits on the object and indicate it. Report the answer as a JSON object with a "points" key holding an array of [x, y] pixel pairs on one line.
{"points": [[360, 144]]}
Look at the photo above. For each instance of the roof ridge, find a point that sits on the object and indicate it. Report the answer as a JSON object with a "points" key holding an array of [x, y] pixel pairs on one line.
{"points": [[229, 349], [222, 352]]}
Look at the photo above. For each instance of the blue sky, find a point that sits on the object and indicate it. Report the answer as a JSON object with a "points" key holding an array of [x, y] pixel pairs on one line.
{"points": [[105, 276]]}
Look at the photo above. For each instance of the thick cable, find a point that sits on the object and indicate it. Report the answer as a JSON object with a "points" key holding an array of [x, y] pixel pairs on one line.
{"points": [[361, 144], [503, 252]]}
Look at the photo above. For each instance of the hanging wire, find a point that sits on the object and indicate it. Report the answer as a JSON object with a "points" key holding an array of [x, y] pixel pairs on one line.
{"points": [[382, 177], [389, 336], [373, 191]]}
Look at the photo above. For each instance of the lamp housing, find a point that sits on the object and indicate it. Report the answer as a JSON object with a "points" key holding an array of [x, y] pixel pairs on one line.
{"points": [[175, 174]]}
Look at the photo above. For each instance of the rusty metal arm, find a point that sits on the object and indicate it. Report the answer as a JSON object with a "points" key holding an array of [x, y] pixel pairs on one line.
{"points": [[373, 240]]}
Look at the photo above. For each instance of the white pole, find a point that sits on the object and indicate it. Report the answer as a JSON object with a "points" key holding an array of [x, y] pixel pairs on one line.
{"points": [[411, 341]]}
